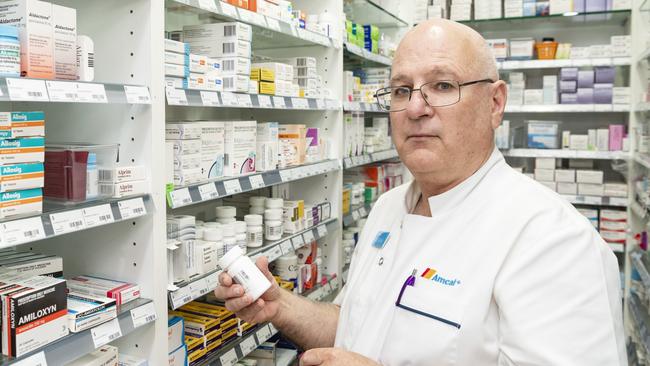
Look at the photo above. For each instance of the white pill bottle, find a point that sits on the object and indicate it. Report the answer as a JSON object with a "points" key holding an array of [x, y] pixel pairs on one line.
{"points": [[242, 269]]}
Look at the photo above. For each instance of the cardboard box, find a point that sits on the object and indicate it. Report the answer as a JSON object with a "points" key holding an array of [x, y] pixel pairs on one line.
{"points": [[240, 147], [106, 355], [87, 311], [567, 188], [565, 175], [589, 176], [18, 177], [28, 201], [123, 292], [65, 42], [544, 175], [122, 173], [545, 163], [588, 189]]}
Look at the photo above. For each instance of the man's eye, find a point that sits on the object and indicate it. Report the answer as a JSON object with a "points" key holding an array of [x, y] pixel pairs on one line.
{"points": [[443, 86], [400, 92]]}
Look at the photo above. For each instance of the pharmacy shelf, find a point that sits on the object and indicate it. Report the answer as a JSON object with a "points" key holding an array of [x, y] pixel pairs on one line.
{"points": [[356, 54], [567, 108], [362, 107], [556, 64], [371, 12], [185, 292], [38, 90], [59, 220], [596, 201], [356, 213], [617, 248], [566, 154], [224, 187], [133, 315], [603, 18], [640, 319], [643, 107], [285, 357], [240, 347], [268, 33], [643, 159], [641, 269], [323, 290], [645, 55], [637, 209], [355, 161], [204, 98]]}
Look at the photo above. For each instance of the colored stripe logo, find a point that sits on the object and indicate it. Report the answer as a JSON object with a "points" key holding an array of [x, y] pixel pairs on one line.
{"points": [[429, 273], [433, 275]]}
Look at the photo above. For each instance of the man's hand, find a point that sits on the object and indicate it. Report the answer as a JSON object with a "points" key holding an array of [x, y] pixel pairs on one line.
{"points": [[334, 357], [240, 303]]}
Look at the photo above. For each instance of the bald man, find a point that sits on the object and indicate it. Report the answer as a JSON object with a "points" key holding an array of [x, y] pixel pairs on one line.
{"points": [[471, 263]]}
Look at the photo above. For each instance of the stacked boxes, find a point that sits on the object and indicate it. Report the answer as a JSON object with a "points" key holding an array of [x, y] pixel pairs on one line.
{"points": [[371, 37], [275, 78], [461, 10], [212, 149], [176, 349], [268, 145], [516, 88], [122, 292], [185, 70], [574, 181], [292, 145], [240, 147], [487, 9], [22, 153], [613, 226], [121, 181], [182, 261], [306, 76], [186, 140]]}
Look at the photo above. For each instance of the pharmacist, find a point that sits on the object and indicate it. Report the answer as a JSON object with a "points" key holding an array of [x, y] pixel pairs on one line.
{"points": [[472, 263]]}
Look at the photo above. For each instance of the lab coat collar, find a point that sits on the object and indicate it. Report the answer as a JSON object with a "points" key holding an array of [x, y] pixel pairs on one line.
{"points": [[448, 200]]}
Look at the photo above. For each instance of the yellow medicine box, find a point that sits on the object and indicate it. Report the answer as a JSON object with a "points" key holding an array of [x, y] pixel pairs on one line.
{"points": [[267, 88], [262, 74]]}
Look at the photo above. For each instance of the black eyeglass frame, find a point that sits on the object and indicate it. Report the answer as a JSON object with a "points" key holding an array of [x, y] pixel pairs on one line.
{"points": [[384, 91]]}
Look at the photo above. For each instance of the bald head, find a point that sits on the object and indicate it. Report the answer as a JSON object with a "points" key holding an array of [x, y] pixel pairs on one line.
{"points": [[460, 42]]}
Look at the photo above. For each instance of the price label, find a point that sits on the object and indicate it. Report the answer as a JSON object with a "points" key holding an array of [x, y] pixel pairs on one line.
{"points": [[286, 175], [22, 231], [232, 186], [320, 104], [256, 181], [244, 100], [106, 333], [265, 101], [272, 329], [91, 93], [298, 242], [180, 197], [228, 10], [601, 61], [347, 162], [67, 221], [294, 31], [137, 94], [229, 99], [274, 253], [331, 104], [212, 281], [322, 231], [286, 247], [181, 297], [131, 208], [34, 360], [208, 192], [175, 96], [97, 215], [248, 345], [229, 358], [308, 236], [278, 102], [273, 24], [355, 215], [245, 15], [143, 314], [263, 334], [198, 288], [208, 5], [602, 107], [300, 103], [61, 91], [27, 90], [210, 99], [258, 19], [593, 200]]}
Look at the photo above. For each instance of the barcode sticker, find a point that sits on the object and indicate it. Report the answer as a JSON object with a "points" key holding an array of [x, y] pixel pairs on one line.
{"points": [[208, 192], [228, 10], [264, 101], [180, 197], [22, 231], [91, 93], [181, 297], [322, 231], [248, 345], [137, 94], [27, 90], [229, 99], [263, 334], [210, 99], [286, 247], [132, 208], [212, 281], [273, 24], [232, 186], [298, 242], [175, 96], [257, 181], [106, 333], [300, 103], [98, 215], [308, 236], [229, 358], [208, 5], [61, 91], [278, 102], [143, 314], [286, 175], [34, 360], [244, 100], [198, 288], [67, 221]]}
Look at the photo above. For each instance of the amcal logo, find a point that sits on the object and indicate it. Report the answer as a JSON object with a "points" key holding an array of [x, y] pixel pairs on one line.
{"points": [[433, 275]]}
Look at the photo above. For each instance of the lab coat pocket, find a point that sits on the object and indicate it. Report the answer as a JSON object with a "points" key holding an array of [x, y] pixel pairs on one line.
{"points": [[432, 304]]}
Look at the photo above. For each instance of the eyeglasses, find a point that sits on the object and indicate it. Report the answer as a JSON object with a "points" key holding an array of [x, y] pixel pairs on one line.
{"points": [[439, 93]]}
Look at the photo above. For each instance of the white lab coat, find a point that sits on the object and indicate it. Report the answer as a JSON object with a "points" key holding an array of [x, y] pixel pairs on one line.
{"points": [[525, 277]]}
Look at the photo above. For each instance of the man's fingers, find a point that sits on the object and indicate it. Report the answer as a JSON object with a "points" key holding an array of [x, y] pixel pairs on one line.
{"points": [[231, 292], [237, 304], [225, 279], [314, 357]]}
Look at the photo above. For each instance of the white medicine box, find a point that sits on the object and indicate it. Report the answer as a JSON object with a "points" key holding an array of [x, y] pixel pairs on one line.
{"points": [[545, 175], [589, 176], [565, 175], [545, 163]]}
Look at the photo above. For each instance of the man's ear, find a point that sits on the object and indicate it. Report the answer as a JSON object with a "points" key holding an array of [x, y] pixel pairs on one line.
{"points": [[499, 99]]}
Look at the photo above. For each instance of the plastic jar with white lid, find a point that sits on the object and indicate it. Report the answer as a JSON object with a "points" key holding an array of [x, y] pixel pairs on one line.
{"points": [[254, 231], [225, 214], [257, 210], [256, 201], [229, 239], [215, 236], [199, 232], [273, 226], [240, 234], [10, 50], [242, 269], [198, 222], [274, 203], [348, 235], [286, 267], [211, 225]]}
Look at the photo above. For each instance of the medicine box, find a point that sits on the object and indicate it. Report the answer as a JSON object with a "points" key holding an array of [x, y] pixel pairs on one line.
{"points": [[613, 225], [122, 292], [545, 175], [174, 58], [22, 150], [124, 189], [235, 66], [64, 21], [86, 311], [104, 356], [565, 175], [178, 357], [550, 185], [128, 360], [236, 83], [579, 142], [542, 134], [28, 201], [613, 215], [36, 265], [122, 173], [182, 131], [189, 176], [545, 163], [217, 31], [589, 189], [177, 47], [589, 176], [187, 147], [567, 188], [177, 70], [21, 176], [187, 162], [240, 147], [616, 189]]}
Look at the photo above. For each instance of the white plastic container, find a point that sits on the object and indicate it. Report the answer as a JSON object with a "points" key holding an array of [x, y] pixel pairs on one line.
{"points": [[254, 231], [257, 211], [274, 203], [229, 239], [256, 201], [215, 236], [287, 267], [242, 269], [211, 225], [240, 234], [225, 212], [273, 228], [199, 232]]}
